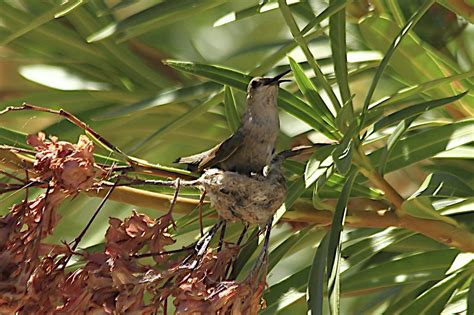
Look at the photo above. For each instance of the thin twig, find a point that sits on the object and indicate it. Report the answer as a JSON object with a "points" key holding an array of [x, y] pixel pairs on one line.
{"points": [[78, 239], [201, 201], [12, 176], [76, 121], [39, 226], [221, 237], [173, 251], [173, 202]]}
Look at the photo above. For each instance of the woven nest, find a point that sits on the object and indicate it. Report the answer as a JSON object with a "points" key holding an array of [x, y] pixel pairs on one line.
{"points": [[252, 199]]}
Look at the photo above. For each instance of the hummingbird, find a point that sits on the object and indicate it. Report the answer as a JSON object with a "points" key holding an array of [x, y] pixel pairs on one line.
{"points": [[252, 146]]}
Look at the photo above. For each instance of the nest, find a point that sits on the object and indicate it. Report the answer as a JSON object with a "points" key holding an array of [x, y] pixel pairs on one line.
{"points": [[252, 199]]}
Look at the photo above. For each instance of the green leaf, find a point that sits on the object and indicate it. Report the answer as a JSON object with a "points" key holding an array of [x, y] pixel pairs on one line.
{"points": [[444, 185], [414, 268], [315, 295], [393, 139], [268, 62], [167, 97], [311, 94], [433, 300], [317, 164], [282, 250], [470, 298], [13, 138], [182, 120], [388, 54], [419, 89], [415, 110], [426, 144], [337, 34], [286, 291], [371, 245], [414, 62], [156, 16], [230, 107], [245, 254], [342, 155], [51, 14], [122, 58], [289, 102], [334, 246], [421, 207], [298, 36], [262, 7]]}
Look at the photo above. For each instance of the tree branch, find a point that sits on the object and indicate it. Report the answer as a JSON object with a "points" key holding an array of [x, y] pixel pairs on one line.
{"points": [[302, 211]]}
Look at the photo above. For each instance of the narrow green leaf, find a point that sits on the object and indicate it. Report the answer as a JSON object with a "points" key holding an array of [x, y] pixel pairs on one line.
{"points": [[315, 295], [320, 157], [419, 89], [182, 120], [298, 37], [337, 34], [393, 139], [334, 246], [405, 296], [12, 138], [396, 12], [311, 94], [426, 144], [281, 250], [123, 59], [388, 54], [369, 246], [284, 50], [414, 268], [219, 74], [289, 102], [153, 17], [262, 7], [421, 207], [470, 298], [286, 291], [444, 185], [415, 110], [379, 31], [333, 8], [167, 97], [230, 109], [55, 34], [41, 19], [433, 300], [245, 254], [342, 155]]}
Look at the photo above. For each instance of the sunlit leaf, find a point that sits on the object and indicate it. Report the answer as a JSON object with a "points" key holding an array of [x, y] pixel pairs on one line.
{"points": [[334, 246], [410, 269], [421, 207], [317, 277], [433, 300]]}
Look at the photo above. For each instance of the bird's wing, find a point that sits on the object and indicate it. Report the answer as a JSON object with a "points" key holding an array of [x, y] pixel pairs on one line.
{"points": [[213, 156], [222, 151]]}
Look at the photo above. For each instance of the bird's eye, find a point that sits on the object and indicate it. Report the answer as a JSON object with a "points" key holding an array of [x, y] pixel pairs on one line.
{"points": [[254, 84]]}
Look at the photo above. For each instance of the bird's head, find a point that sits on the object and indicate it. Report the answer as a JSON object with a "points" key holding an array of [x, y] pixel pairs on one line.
{"points": [[261, 88]]}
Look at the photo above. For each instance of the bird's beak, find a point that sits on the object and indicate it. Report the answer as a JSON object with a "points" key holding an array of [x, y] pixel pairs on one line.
{"points": [[276, 79]]}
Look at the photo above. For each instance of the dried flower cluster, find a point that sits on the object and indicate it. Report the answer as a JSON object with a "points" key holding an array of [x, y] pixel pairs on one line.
{"points": [[124, 278]]}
